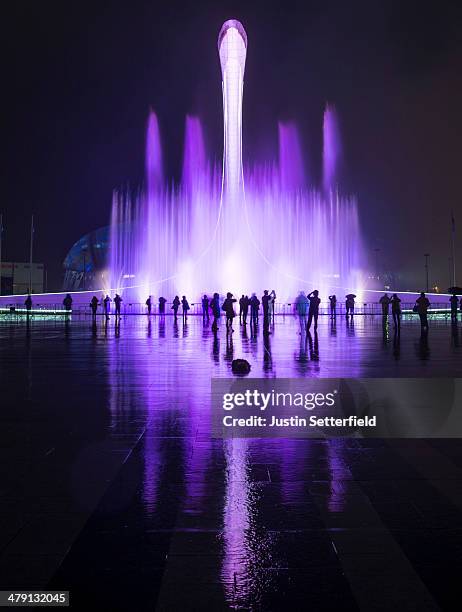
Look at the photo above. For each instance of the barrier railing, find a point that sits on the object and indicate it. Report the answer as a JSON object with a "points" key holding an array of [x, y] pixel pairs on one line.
{"points": [[281, 308]]}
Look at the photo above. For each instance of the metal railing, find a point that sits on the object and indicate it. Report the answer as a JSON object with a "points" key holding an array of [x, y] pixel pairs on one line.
{"points": [[138, 308]]}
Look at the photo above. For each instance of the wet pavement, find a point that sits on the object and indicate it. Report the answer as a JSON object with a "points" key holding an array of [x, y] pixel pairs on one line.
{"points": [[111, 486]]}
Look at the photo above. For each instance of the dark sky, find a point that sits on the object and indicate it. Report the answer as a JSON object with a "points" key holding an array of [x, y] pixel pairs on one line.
{"points": [[79, 78]]}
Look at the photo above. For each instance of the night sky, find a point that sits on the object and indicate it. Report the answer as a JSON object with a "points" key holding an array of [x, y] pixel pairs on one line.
{"points": [[79, 78]]}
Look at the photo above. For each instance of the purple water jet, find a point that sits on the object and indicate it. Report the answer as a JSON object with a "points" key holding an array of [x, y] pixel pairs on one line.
{"points": [[239, 229]]}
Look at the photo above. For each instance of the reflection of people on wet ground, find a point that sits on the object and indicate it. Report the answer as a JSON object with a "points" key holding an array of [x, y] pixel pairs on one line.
{"points": [[396, 311], [254, 308], [350, 326], [396, 343], [454, 332], [216, 347], [245, 309], [117, 302], [67, 302], [94, 306], [229, 347], [301, 357], [205, 309], [385, 328], [454, 301], [385, 303], [215, 307], [350, 304], [162, 302], [28, 303], [228, 307], [266, 303], [107, 306], [314, 347], [423, 304], [314, 308], [175, 305], [333, 305], [273, 303], [423, 349], [301, 308], [333, 326], [185, 305], [267, 358], [149, 305]]}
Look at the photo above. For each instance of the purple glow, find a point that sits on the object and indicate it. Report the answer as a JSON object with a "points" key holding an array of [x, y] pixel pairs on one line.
{"points": [[332, 150], [291, 168], [243, 229]]}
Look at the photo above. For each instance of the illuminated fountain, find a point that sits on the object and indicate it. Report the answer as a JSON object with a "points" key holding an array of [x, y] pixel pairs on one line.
{"points": [[235, 228]]}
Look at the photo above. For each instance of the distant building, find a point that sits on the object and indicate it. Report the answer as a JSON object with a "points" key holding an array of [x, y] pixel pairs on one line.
{"points": [[86, 262], [15, 278]]}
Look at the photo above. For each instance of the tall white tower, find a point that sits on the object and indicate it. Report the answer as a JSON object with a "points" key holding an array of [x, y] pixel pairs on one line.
{"points": [[232, 48]]}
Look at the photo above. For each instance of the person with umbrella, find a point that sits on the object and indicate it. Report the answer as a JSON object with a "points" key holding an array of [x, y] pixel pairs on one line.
{"points": [[350, 304]]}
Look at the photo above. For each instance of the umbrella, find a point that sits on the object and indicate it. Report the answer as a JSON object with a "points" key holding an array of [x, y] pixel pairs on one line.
{"points": [[456, 290], [350, 295]]}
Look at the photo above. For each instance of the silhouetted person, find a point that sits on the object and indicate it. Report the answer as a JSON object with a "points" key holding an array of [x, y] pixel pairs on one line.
{"points": [[385, 303], [117, 302], [149, 305], [162, 302], [454, 301], [107, 306], [94, 306], [333, 305], [241, 308], [313, 312], [423, 304], [205, 309], [396, 310], [228, 307], [245, 308], [175, 305], [266, 303], [350, 305], [215, 308], [273, 303], [185, 306], [254, 308], [67, 302], [28, 303], [301, 308]]}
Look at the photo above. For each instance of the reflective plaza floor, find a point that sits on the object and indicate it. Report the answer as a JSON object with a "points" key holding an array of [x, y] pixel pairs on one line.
{"points": [[112, 488]]}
